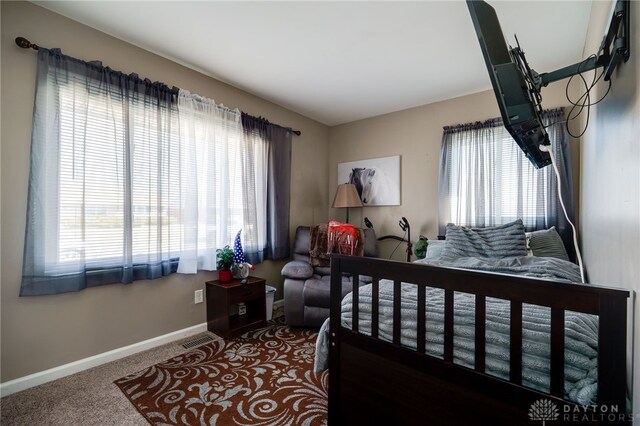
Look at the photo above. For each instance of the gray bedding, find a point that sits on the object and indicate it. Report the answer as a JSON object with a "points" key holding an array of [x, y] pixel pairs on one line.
{"points": [[581, 330]]}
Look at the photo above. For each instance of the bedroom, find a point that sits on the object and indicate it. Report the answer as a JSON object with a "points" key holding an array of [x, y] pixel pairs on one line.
{"points": [[41, 333]]}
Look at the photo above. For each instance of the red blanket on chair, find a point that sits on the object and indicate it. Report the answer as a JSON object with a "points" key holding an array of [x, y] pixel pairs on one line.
{"points": [[336, 237], [343, 238]]}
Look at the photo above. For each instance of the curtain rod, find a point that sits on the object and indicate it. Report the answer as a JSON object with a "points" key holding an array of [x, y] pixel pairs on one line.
{"points": [[26, 44]]}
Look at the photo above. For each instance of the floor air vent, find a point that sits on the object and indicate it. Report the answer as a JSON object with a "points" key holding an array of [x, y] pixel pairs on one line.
{"points": [[197, 341]]}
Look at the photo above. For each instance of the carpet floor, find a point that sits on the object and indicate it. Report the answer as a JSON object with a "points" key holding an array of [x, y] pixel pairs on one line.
{"points": [[264, 377], [86, 398]]}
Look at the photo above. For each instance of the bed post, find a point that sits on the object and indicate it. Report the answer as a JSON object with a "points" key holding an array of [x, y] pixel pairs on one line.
{"points": [[334, 342], [612, 365]]}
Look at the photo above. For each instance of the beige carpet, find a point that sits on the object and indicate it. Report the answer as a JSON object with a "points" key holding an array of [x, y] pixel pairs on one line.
{"points": [[265, 377], [86, 398]]}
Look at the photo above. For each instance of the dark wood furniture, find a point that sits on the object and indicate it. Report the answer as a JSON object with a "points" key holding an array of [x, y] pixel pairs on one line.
{"points": [[372, 381], [222, 316]]}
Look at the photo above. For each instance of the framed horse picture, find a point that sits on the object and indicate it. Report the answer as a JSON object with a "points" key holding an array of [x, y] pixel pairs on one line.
{"points": [[377, 180]]}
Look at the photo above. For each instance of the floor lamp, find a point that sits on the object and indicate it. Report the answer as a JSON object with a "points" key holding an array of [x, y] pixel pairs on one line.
{"points": [[346, 196]]}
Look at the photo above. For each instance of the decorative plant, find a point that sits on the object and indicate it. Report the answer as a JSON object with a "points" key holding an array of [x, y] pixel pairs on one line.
{"points": [[224, 258], [421, 247]]}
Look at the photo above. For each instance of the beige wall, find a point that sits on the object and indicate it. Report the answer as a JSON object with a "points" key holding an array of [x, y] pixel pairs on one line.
{"points": [[415, 134], [47, 331], [610, 196]]}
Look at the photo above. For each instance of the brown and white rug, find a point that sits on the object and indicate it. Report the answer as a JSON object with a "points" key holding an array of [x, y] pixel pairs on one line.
{"points": [[264, 377]]}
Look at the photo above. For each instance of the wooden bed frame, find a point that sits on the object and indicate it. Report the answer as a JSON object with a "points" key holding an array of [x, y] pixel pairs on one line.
{"points": [[372, 381]]}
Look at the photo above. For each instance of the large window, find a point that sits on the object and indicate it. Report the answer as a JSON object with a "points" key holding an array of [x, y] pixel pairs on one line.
{"points": [[486, 180], [117, 190], [133, 180], [492, 182]]}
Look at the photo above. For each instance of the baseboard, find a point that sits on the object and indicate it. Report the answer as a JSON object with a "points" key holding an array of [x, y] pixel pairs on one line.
{"points": [[278, 304], [39, 378]]}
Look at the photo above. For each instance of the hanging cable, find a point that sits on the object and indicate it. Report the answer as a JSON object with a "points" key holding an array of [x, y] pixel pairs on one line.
{"points": [[564, 209], [401, 241], [584, 101]]}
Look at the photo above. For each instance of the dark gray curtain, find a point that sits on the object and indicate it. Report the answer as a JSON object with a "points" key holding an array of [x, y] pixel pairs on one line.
{"points": [[278, 139], [479, 160]]}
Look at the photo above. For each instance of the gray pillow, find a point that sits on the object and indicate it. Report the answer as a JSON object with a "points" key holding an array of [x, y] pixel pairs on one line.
{"points": [[506, 240], [547, 243], [297, 269], [434, 249]]}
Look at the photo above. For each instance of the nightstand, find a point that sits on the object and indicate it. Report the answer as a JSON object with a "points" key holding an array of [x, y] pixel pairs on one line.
{"points": [[222, 316]]}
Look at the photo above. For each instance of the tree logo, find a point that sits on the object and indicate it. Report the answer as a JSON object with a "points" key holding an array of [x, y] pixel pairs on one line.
{"points": [[544, 410]]}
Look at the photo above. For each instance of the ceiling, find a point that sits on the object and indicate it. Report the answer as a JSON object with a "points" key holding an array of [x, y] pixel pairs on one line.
{"points": [[338, 62]]}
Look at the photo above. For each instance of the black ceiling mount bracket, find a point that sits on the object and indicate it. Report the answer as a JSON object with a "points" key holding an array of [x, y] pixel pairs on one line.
{"points": [[614, 48]]}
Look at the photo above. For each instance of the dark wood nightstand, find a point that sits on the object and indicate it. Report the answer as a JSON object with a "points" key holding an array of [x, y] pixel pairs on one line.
{"points": [[222, 316]]}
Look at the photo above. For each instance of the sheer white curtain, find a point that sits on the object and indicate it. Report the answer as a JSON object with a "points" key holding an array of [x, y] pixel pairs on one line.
{"points": [[102, 191], [223, 183]]}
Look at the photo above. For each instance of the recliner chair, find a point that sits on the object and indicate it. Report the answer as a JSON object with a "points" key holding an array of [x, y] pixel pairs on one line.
{"points": [[307, 288]]}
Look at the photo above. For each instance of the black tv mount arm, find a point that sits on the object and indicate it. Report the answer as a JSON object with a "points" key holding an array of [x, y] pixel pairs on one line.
{"points": [[618, 34]]}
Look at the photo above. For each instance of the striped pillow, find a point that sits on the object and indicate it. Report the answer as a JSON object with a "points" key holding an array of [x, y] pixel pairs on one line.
{"points": [[547, 243], [496, 242]]}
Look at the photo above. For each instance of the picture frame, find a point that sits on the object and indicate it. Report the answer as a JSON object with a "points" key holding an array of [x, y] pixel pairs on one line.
{"points": [[377, 180]]}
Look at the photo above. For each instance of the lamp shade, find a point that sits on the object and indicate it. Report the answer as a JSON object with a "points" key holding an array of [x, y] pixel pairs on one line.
{"points": [[346, 196]]}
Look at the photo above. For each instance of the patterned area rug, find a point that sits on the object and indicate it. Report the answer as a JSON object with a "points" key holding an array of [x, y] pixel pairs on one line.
{"points": [[264, 377]]}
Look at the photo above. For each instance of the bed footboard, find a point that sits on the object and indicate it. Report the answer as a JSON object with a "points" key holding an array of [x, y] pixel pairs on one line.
{"points": [[382, 382]]}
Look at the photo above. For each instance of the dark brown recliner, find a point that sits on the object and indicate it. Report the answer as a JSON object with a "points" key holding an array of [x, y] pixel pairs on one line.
{"points": [[306, 288]]}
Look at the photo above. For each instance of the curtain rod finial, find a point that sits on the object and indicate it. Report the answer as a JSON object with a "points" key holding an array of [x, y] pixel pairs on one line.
{"points": [[26, 44]]}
